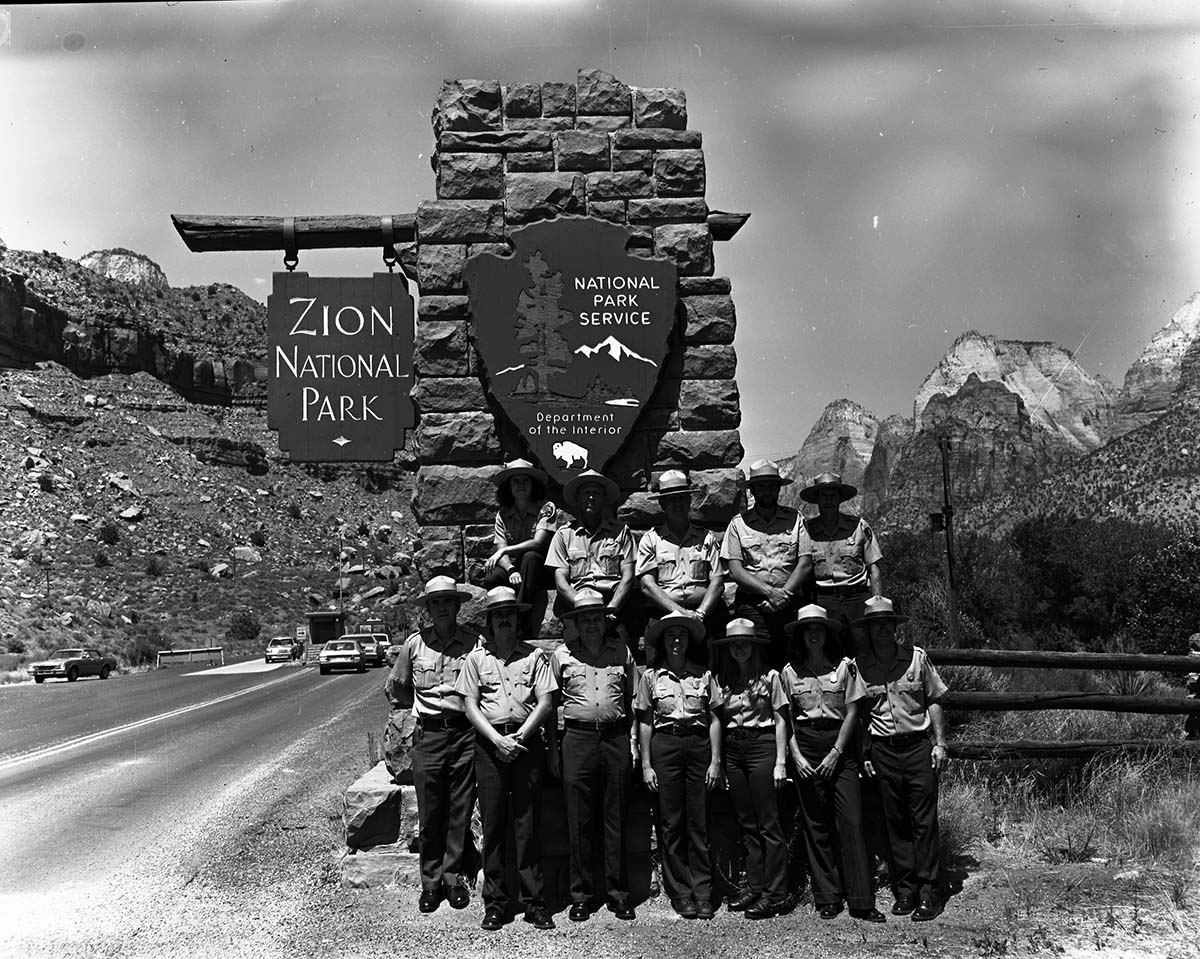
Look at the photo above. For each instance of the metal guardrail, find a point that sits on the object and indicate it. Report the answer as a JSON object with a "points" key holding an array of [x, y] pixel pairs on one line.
{"points": [[207, 654]]}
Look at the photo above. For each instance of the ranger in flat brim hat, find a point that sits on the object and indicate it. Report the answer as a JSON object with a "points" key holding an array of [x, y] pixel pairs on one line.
{"points": [[828, 481], [879, 609], [443, 586], [586, 601], [741, 630], [766, 471], [674, 483], [519, 467], [692, 624], [571, 491], [502, 597], [812, 613]]}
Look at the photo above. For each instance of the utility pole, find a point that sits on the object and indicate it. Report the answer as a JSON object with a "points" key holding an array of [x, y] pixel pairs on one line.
{"points": [[948, 517]]}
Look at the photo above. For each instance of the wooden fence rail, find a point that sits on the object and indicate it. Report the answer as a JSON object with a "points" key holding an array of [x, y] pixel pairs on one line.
{"points": [[1049, 659]]}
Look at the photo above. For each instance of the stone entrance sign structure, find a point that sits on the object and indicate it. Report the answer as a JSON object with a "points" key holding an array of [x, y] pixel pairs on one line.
{"points": [[509, 155]]}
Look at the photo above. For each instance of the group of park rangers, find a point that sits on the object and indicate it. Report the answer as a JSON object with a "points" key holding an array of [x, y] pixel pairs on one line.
{"points": [[805, 681]]}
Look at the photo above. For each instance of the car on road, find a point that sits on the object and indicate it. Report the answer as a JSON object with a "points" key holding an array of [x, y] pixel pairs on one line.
{"points": [[372, 646], [341, 653], [282, 648], [71, 664]]}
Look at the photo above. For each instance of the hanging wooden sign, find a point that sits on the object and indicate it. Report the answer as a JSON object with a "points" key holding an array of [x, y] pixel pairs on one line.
{"points": [[340, 366], [573, 331]]}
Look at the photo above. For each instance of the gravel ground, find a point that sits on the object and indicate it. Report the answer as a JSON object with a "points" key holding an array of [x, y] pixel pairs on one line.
{"points": [[256, 876]]}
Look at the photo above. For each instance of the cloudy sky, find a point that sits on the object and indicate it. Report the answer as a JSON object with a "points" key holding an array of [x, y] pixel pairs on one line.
{"points": [[913, 169]]}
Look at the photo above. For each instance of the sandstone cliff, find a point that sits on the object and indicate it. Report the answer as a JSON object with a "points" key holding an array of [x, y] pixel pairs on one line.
{"points": [[1154, 376], [841, 441], [126, 266]]}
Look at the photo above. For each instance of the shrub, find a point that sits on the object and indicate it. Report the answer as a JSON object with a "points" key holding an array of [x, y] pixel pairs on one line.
{"points": [[293, 510], [244, 627], [258, 538], [15, 645], [101, 559], [46, 482], [109, 534], [143, 646], [156, 566]]}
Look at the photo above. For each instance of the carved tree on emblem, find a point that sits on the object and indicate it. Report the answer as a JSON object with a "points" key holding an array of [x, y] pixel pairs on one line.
{"points": [[537, 324]]}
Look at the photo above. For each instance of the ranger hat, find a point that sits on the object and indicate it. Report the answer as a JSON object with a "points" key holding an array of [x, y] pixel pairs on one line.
{"points": [[694, 626], [674, 483], [502, 597], [741, 629], [587, 600], [812, 613], [519, 467], [443, 586], [761, 470], [571, 491], [828, 481], [879, 608]]}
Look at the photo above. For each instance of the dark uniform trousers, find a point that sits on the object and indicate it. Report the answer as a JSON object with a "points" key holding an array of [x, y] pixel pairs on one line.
{"points": [[832, 813], [845, 604], [510, 793], [596, 770], [769, 625], [750, 771], [534, 576], [908, 787], [680, 763], [444, 777]]}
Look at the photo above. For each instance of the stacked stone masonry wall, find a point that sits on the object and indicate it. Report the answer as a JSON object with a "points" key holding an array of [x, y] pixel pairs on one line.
{"points": [[509, 155]]}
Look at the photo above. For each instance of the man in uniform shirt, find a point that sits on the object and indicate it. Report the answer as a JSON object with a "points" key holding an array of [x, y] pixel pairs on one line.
{"points": [[678, 564], [596, 679], [760, 551], [595, 551], [508, 691], [840, 550], [423, 679]]}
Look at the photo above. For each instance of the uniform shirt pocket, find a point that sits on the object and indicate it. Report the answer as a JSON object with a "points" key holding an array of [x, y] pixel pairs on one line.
{"points": [[577, 562], [425, 672]]}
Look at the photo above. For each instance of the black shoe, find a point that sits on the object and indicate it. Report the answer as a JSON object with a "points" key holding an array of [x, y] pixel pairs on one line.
{"points": [[904, 905], [493, 919], [744, 900], [868, 915], [685, 907], [830, 910], [579, 912], [539, 917], [704, 909], [766, 908], [459, 896], [928, 909], [430, 899], [619, 906]]}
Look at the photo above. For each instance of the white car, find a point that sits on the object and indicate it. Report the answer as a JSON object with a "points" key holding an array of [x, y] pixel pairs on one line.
{"points": [[282, 649], [341, 653], [372, 645]]}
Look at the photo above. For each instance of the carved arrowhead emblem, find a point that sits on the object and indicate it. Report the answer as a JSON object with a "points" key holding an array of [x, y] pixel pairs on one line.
{"points": [[573, 331]]}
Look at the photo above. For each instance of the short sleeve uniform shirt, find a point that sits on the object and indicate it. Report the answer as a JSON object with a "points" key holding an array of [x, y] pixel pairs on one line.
{"points": [[507, 690], [843, 557], [431, 667], [594, 689], [592, 559], [682, 566], [754, 705], [515, 527], [900, 705], [677, 699], [767, 550], [816, 697]]}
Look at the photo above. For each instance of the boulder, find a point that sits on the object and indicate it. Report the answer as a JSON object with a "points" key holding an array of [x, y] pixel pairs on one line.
{"points": [[380, 867], [374, 810], [132, 513], [220, 570], [246, 554]]}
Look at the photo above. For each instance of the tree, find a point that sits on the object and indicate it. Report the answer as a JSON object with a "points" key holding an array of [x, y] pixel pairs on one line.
{"points": [[537, 324]]}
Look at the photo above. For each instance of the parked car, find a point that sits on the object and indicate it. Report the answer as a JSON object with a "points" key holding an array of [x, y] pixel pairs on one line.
{"points": [[70, 664], [344, 653], [372, 646], [283, 648]]}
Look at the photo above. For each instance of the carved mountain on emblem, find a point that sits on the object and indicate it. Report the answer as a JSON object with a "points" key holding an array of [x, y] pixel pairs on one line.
{"points": [[615, 349]]}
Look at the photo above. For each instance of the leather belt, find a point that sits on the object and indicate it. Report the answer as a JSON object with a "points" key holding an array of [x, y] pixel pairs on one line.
{"points": [[681, 729], [748, 732], [445, 721], [597, 725], [901, 739], [847, 589], [821, 724], [507, 729]]}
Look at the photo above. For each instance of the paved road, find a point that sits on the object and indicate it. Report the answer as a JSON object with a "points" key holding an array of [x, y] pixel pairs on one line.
{"points": [[109, 786]]}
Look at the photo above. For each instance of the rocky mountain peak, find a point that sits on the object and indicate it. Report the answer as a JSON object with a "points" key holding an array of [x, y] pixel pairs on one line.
{"points": [[1060, 397], [841, 441], [136, 269], [1155, 374]]}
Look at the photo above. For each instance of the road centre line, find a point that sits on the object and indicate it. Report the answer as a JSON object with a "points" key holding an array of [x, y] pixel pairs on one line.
{"points": [[87, 740]]}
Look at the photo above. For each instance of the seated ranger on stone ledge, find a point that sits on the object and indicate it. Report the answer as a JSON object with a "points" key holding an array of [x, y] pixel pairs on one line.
{"points": [[679, 565], [595, 551], [840, 550]]}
